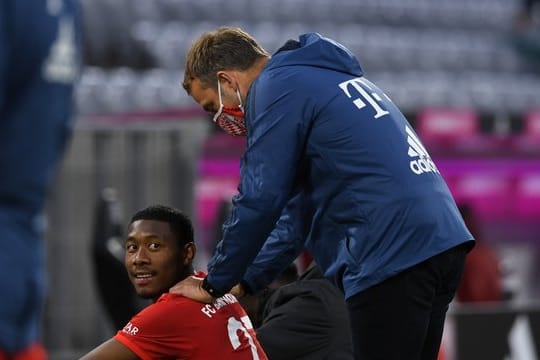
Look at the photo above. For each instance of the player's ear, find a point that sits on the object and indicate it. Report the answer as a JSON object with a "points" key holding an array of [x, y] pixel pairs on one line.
{"points": [[189, 253]]}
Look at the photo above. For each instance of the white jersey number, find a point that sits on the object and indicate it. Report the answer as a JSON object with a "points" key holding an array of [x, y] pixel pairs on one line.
{"points": [[233, 326]]}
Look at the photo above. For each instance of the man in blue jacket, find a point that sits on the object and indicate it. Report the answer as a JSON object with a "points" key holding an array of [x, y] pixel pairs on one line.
{"points": [[38, 66], [333, 165]]}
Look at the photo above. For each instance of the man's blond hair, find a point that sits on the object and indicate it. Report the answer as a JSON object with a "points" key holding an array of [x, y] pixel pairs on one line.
{"points": [[227, 48]]}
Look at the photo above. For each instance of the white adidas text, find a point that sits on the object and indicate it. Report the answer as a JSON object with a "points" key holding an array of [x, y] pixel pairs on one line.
{"points": [[424, 163]]}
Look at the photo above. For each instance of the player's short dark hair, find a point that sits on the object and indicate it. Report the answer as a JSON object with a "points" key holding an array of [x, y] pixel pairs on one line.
{"points": [[179, 222]]}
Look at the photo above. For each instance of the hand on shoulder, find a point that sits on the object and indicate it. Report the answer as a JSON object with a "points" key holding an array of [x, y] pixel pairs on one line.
{"points": [[191, 287]]}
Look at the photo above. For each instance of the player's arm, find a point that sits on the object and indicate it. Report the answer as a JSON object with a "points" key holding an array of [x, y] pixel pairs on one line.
{"points": [[111, 350]]}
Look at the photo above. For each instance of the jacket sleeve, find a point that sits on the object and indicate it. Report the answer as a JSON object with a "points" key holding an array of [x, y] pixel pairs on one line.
{"points": [[268, 172], [281, 248], [3, 58]]}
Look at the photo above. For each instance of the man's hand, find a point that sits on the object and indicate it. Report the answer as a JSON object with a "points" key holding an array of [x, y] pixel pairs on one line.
{"points": [[238, 291], [191, 288]]}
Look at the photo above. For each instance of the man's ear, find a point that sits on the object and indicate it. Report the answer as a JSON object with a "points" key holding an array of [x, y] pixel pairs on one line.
{"points": [[189, 253]]}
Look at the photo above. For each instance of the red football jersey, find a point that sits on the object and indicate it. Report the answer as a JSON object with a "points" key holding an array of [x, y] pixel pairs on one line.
{"points": [[176, 327]]}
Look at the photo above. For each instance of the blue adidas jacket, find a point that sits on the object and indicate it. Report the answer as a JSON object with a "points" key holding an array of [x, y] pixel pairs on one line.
{"points": [[333, 165]]}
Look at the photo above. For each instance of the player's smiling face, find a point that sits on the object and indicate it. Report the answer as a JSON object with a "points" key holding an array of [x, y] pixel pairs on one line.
{"points": [[154, 260]]}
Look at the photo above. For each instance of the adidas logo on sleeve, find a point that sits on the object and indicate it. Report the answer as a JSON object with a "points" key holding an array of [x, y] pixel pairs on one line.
{"points": [[421, 162]]}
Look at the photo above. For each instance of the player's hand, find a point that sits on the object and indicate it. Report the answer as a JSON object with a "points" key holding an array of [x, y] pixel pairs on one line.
{"points": [[191, 287]]}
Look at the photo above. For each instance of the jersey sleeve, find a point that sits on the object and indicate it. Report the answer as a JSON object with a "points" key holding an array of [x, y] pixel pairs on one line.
{"points": [[155, 333]]}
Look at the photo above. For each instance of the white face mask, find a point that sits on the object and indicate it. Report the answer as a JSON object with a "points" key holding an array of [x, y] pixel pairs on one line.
{"points": [[231, 118]]}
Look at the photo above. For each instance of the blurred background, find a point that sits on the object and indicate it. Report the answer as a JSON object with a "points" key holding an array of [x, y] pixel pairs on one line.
{"points": [[465, 73]]}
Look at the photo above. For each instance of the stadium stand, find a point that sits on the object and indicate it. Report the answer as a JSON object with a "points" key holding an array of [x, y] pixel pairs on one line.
{"points": [[446, 54]]}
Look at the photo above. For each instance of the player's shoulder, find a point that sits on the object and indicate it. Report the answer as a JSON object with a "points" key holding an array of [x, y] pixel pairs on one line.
{"points": [[171, 299], [168, 309]]}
